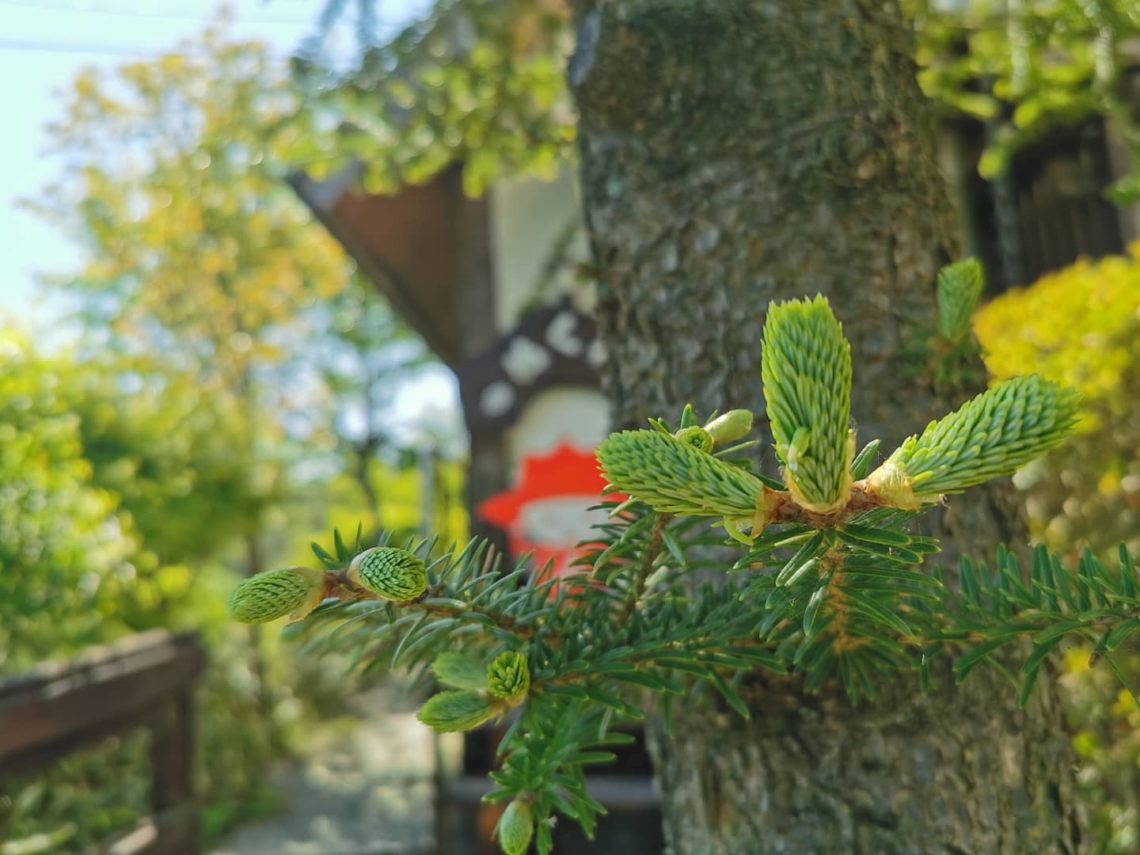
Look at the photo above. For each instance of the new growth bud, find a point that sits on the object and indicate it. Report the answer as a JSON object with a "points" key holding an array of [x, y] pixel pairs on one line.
{"points": [[508, 677], [673, 477], [515, 828], [806, 368], [392, 574], [460, 672], [730, 427], [993, 435], [696, 437], [457, 712], [276, 593], [960, 287]]}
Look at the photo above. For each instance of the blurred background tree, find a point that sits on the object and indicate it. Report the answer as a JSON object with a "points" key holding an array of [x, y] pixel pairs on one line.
{"points": [[197, 250], [477, 82], [361, 380], [63, 543], [226, 383], [1027, 67]]}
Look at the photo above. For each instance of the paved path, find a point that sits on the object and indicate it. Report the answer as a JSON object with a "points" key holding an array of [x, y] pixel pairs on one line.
{"points": [[368, 793]]}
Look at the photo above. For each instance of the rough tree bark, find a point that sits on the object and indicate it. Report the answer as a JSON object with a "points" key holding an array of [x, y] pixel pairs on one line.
{"points": [[737, 151]]}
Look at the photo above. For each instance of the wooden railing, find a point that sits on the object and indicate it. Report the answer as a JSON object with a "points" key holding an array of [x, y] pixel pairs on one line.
{"points": [[146, 681]]}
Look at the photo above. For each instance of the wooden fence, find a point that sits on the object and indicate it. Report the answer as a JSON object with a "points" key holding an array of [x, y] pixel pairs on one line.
{"points": [[145, 681]]}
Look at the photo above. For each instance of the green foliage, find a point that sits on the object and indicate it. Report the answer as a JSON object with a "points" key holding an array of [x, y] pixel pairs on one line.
{"points": [[475, 82], [1081, 326], [166, 450], [946, 355], [1106, 725], [1028, 67], [141, 468], [64, 547], [1001, 606], [83, 801], [194, 245], [480, 83], [85, 560], [833, 598]]}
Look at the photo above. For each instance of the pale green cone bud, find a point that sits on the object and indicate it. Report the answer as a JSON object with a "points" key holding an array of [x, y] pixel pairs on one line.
{"points": [[696, 437], [457, 712], [460, 672], [276, 593], [515, 828], [392, 574], [732, 426], [806, 369], [672, 477], [993, 435], [960, 287], [508, 677]]}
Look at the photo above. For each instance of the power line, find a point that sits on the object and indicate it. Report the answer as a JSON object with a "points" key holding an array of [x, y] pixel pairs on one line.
{"points": [[71, 8], [87, 9]]}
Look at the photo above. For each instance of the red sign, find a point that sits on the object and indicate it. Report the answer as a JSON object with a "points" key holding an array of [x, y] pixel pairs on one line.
{"points": [[548, 511]]}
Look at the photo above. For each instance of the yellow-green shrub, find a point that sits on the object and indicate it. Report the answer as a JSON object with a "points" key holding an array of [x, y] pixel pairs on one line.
{"points": [[1080, 327]]}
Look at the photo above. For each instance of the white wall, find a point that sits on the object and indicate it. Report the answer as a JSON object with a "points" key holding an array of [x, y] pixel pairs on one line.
{"points": [[528, 217], [575, 416]]}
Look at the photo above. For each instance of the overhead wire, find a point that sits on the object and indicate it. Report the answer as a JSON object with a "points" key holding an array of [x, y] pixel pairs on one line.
{"points": [[83, 8]]}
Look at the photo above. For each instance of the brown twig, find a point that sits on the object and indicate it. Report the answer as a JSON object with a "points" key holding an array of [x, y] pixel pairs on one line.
{"points": [[340, 587], [652, 550]]}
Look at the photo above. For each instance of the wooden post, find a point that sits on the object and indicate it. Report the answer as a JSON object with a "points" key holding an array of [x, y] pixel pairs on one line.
{"points": [[172, 754], [146, 681]]}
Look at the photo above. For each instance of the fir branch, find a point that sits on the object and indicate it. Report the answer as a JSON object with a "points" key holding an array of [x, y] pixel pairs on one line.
{"points": [[998, 607], [830, 587], [649, 556]]}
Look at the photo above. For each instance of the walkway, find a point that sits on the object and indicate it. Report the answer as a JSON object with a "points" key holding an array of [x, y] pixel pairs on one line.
{"points": [[369, 793]]}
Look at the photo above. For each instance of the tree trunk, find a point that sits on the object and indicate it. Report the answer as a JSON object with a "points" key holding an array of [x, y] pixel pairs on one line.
{"points": [[735, 152]]}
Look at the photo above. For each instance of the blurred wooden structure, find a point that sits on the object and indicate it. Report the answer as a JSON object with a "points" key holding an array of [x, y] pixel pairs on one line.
{"points": [[1047, 211], [144, 681], [427, 250]]}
